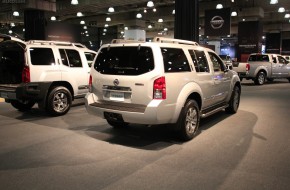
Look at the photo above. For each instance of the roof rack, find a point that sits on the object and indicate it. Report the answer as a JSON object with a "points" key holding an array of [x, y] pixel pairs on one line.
{"points": [[118, 41], [177, 41], [43, 42]]}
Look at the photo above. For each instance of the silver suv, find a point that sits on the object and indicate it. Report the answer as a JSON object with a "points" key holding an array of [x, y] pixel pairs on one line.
{"points": [[166, 81]]}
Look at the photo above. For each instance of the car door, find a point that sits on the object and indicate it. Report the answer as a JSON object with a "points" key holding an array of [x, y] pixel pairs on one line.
{"points": [[283, 67], [75, 70], [220, 76]]}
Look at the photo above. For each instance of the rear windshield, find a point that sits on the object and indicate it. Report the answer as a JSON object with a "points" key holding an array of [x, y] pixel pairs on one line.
{"points": [[264, 58], [133, 60]]}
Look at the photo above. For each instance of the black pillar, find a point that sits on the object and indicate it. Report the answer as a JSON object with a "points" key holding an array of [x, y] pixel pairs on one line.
{"points": [[34, 24], [186, 25]]}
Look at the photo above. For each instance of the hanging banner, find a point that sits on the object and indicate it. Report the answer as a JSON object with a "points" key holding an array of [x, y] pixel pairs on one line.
{"points": [[217, 22]]}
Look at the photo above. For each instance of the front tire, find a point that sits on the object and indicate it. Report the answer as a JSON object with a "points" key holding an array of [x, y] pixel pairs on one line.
{"points": [[22, 106], [234, 101], [260, 78], [59, 101], [188, 121]]}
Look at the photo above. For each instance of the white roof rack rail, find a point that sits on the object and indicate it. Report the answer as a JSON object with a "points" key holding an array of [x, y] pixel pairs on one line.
{"points": [[43, 42], [119, 41], [177, 41]]}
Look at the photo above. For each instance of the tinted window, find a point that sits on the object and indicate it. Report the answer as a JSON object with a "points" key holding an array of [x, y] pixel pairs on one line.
{"points": [[63, 57], [41, 56], [199, 60], [124, 60], [218, 64], [258, 57], [90, 57], [281, 59], [174, 60], [73, 58]]}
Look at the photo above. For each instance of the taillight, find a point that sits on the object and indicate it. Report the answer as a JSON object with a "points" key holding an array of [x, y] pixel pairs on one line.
{"points": [[90, 83], [25, 74], [159, 88], [247, 67]]}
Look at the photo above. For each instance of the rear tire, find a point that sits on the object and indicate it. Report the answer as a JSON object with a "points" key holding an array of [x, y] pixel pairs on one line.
{"points": [[234, 101], [188, 121], [22, 106], [59, 101], [260, 78], [117, 124]]}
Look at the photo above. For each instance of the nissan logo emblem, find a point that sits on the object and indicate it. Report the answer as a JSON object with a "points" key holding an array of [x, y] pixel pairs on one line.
{"points": [[217, 22], [116, 82]]}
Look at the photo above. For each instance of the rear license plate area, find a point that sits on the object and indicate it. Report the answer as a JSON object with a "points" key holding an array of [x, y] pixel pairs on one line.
{"points": [[117, 96]]}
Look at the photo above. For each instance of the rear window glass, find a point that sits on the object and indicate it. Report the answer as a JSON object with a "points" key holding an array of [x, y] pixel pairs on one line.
{"points": [[41, 56], [134, 60], [264, 58], [174, 60]]}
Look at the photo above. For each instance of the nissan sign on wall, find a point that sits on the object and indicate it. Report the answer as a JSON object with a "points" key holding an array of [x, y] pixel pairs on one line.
{"points": [[217, 22]]}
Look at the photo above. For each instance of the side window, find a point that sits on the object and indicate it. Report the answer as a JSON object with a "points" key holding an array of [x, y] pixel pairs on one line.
{"points": [[70, 57], [281, 59], [174, 60], [218, 64], [274, 59], [201, 61], [194, 60], [63, 57], [90, 57], [37, 56]]}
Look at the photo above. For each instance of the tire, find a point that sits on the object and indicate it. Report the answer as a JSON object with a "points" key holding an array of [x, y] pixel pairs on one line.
{"points": [[59, 101], [234, 101], [188, 121], [260, 78], [22, 106], [117, 124]]}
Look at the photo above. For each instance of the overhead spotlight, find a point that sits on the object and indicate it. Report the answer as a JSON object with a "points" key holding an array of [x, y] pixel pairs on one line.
{"points": [[219, 6], [281, 10], [85, 27], [105, 30], [173, 12], [154, 10], [234, 13], [149, 26], [111, 10], [52, 18], [160, 20], [272, 2], [106, 25], [82, 22], [126, 28], [74, 2], [150, 4], [15, 13], [139, 15], [10, 31], [108, 19], [287, 15], [79, 14], [165, 29], [145, 11]]}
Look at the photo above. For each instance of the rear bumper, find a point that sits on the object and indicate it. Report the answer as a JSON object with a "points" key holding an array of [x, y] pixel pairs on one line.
{"points": [[26, 91], [153, 113]]}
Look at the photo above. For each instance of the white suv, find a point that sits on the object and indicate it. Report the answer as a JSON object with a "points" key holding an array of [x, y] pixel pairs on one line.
{"points": [[166, 81], [49, 73]]}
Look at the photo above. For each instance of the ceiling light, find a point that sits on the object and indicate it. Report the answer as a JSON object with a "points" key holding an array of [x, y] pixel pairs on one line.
{"points": [[106, 25], [145, 11], [15, 13], [111, 10], [52, 18], [173, 12], [12, 24], [10, 31], [154, 10], [149, 26], [281, 10], [165, 29], [79, 14], [82, 22], [234, 13], [233, 1], [126, 28], [150, 4], [244, 19], [139, 15], [108, 19], [23, 30], [85, 27], [219, 6], [74, 2], [160, 20], [105, 30], [287, 15], [273, 2]]}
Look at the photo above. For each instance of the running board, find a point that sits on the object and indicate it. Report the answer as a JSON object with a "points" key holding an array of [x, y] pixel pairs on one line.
{"points": [[203, 115]]}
